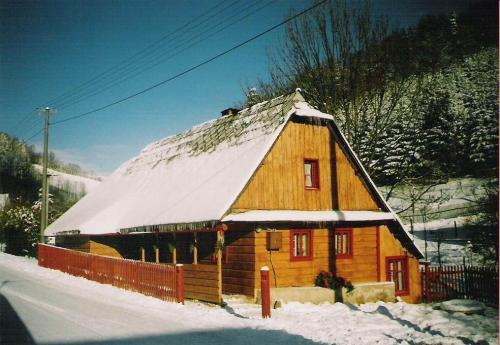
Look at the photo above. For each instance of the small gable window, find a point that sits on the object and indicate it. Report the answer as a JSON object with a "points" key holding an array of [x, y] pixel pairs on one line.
{"points": [[311, 174], [300, 245], [397, 272], [343, 243]]}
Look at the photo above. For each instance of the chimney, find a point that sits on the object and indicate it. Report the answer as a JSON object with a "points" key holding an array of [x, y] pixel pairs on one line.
{"points": [[229, 111]]}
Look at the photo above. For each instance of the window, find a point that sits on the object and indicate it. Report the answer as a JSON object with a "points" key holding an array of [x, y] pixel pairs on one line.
{"points": [[397, 272], [300, 245], [311, 174], [343, 243]]}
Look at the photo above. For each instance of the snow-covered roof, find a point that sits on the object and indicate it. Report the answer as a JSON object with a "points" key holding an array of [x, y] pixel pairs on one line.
{"points": [[307, 216], [191, 178], [74, 183]]}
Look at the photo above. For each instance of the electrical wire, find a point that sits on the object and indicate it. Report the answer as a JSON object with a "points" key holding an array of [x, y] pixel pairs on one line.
{"points": [[205, 62], [183, 29], [150, 48], [165, 56]]}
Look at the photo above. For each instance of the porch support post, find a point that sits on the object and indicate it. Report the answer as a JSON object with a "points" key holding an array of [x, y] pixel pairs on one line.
{"points": [[157, 249], [195, 248], [174, 251], [143, 248], [220, 243]]}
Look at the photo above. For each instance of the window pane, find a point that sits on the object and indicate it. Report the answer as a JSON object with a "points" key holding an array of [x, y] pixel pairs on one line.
{"points": [[400, 284], [397, 274], [305, 245], [308, 174], [347, 244], [296, 240]]}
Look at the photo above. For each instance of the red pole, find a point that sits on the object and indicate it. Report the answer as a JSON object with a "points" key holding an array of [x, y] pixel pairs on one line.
{"points": [[179, 272], [265, 291]]}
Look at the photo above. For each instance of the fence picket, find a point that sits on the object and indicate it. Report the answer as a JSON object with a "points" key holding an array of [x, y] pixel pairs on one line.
{"points": [[151, 279], [446, 282]]}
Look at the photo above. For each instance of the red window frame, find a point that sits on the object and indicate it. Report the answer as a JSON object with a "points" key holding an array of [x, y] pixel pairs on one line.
{"points": [[301, 257], [314, 174], [348, 232], [405, 290]]}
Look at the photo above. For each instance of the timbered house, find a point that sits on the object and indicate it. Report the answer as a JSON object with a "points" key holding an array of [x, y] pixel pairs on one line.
{"points": [[276, 184]]}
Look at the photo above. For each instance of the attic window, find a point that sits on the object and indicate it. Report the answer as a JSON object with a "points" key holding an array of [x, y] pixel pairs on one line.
{"points": [[311, 174]]}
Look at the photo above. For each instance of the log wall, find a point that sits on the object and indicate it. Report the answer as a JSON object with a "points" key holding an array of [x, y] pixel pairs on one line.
{"points": [[200, 282], [292, 273], [362, 266], [238, 267]]}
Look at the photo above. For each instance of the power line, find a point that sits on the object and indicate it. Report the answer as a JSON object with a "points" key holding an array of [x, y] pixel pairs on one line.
{"points": [[151, 47], [162, 57], [34, 135], [22, 121], [191, 68], [188, 26]]}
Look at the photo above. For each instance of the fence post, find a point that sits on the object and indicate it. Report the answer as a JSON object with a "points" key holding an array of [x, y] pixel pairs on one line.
{"points": [[179, 288], [425, 282], [265, 291]]}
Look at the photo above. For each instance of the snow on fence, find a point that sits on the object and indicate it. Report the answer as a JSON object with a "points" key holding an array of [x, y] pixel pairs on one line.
{"points": [[462, 281], [151, 279]]}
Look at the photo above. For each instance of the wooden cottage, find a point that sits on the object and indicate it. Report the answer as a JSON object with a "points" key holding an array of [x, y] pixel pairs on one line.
{"points": [[273, 185]]}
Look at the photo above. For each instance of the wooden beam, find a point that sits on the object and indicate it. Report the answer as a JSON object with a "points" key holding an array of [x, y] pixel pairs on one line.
{"points": [[174, 251], [157, 248], [195, 248], [333, 169], [220, 242], [378, 252], [143, 253]]}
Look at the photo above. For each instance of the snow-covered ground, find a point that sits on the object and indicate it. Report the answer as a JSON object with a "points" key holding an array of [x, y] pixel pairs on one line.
{"points": [[437, 212], [452, 248], [47, 306], [73, 183], [456, 198]]}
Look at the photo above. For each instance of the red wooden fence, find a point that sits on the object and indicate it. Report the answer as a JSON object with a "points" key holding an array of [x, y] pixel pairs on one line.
{"points": [[157, 280], [469, 282]]}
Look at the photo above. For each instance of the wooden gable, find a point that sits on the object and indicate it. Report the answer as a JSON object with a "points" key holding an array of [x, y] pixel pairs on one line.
{"points": [[278, 184]]}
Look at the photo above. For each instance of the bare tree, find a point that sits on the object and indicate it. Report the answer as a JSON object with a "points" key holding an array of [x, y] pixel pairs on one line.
{"points": [[350, 64]]}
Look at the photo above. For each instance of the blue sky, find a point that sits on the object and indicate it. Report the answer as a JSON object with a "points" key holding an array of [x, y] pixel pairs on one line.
{"points": [[48, 48]]}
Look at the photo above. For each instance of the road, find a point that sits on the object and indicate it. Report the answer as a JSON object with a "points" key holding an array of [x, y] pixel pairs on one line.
{"points": [[40, 306]]}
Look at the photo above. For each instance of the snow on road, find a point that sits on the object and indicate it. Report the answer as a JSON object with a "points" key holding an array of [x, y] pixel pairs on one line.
{"points": [[43, 306]]}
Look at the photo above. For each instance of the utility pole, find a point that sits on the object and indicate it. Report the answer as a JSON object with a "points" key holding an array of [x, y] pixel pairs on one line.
{"points": [[45, 186]]}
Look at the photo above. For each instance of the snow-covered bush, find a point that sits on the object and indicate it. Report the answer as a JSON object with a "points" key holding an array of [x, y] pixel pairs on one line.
{"points": [[20, 226]]}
